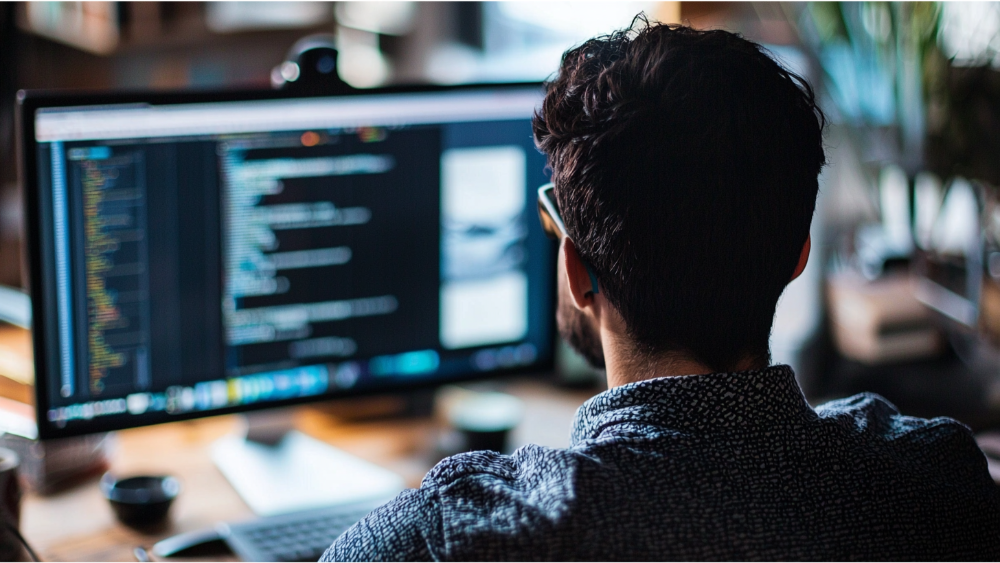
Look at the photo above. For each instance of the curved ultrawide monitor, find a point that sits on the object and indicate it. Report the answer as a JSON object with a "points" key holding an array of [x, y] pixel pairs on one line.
{"points": [[198, 254]]}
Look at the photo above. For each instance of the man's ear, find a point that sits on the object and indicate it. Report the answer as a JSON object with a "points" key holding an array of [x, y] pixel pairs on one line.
{"points": [[577, 277], [803, 258]]}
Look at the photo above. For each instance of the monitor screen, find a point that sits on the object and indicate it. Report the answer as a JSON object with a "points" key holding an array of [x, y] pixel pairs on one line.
{"points": [[192, 258]]}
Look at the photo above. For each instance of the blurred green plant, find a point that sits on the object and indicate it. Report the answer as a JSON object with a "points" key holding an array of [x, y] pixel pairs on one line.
{"points": [[884, 70]]}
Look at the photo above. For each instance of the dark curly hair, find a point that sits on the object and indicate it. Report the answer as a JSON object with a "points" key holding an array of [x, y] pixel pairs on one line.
{"points": [[685, 164]]}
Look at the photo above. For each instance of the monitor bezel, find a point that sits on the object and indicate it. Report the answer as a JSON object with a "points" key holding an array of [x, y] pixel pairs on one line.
{"points": [[29, 101]]}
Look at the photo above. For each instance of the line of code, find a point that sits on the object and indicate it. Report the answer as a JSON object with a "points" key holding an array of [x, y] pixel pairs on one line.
{"points": [[114, 210]]}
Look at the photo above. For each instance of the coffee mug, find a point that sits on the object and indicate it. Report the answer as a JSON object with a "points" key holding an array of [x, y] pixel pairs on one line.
{"points": [[11, 547]]}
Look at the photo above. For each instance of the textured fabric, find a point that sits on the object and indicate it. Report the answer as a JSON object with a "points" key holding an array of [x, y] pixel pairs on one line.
{"points": [[705, 467]]}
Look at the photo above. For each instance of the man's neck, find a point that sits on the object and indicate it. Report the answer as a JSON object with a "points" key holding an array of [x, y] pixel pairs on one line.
{"points": [[625, 363]]}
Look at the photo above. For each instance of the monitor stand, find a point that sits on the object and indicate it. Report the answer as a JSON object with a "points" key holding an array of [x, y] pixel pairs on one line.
{"points": [[277, 470]]}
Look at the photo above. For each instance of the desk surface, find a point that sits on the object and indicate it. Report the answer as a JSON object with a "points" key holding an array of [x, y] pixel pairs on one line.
{"points": [[78, 525]]}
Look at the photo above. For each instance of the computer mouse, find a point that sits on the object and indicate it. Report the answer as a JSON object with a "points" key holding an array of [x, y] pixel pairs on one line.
{"points": [[200, 543]]}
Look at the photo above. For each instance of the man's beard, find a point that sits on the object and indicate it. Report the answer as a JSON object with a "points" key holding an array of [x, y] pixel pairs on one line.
{"points": [[577, 332]]}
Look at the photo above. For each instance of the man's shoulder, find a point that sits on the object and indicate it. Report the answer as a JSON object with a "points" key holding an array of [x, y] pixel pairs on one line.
{"points": [[528, 464], [934, 444], [468, 464], [872, 413]]}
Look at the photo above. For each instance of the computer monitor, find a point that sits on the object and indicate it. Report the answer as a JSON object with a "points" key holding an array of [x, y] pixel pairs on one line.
{"points": [[195, 254]]}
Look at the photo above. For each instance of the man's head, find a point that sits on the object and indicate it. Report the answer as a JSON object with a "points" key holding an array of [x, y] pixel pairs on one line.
{"points": [[685, 164]]}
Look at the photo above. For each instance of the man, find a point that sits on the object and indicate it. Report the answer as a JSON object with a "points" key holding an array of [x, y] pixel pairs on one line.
{"points": [[685, 169]]}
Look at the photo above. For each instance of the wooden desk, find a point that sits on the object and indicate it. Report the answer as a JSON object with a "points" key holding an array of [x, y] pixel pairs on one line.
{"points": [[78, 525]]}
